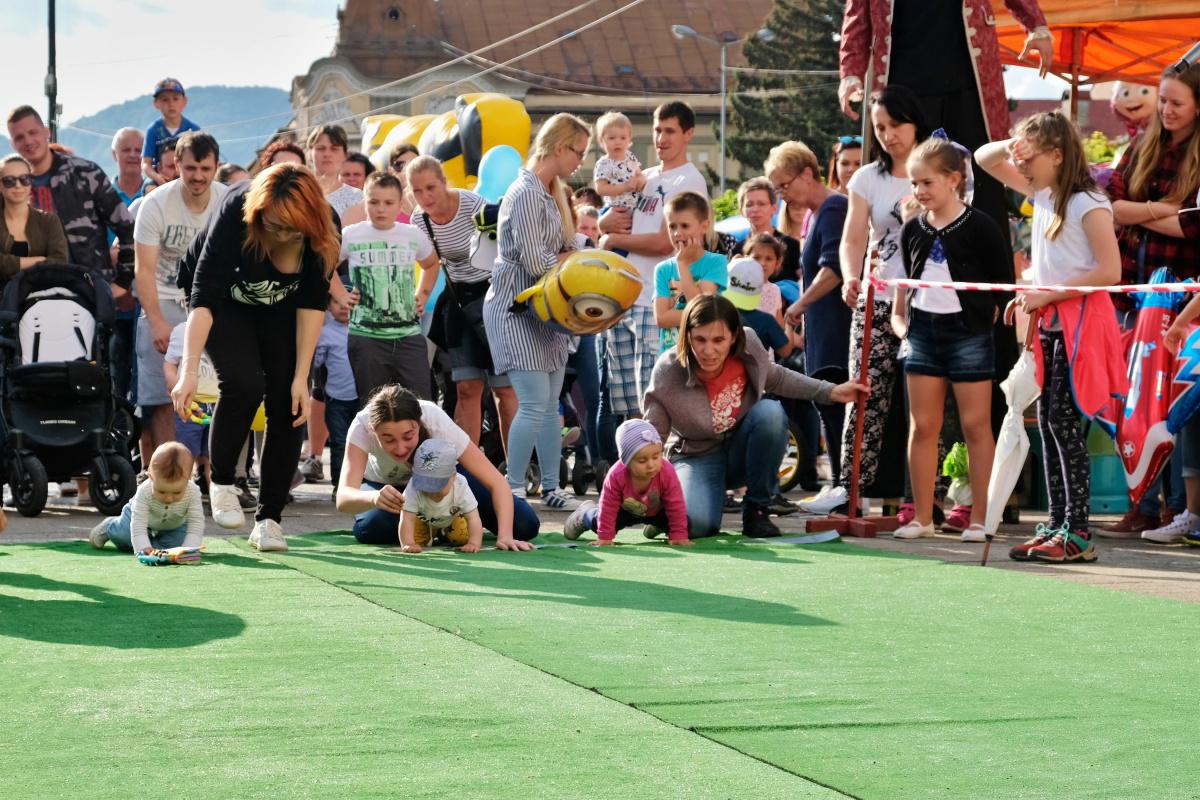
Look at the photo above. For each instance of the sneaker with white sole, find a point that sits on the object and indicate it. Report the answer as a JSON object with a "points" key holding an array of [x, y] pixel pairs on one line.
{"points": [[99, 534], [576, 523], [825, 501], [975, 533], [913, 530], [560, 500], [267, 536], [226, 510], [1173, 532]]}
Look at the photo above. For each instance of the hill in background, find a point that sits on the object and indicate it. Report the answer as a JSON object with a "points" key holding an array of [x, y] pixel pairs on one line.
{"points": [[207, 106]]}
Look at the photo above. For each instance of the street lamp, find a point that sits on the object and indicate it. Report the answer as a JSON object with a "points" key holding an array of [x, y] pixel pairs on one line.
{"points": [[688, 32]]}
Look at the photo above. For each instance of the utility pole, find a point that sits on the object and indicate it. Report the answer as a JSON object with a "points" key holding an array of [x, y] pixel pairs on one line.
{"points": [[52, 79]]}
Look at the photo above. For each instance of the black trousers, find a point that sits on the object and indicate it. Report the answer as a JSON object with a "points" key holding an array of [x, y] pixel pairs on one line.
{"points": [[253, 349]]}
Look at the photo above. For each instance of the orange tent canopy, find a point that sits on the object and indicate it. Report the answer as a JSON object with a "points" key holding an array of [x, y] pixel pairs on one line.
{"points": [[1108, 40]]}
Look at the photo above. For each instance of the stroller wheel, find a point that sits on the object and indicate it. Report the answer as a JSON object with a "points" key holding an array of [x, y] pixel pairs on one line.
{"points": [[601, 471], [29, 493], [109, 496], [533, 479], [582, 474]]}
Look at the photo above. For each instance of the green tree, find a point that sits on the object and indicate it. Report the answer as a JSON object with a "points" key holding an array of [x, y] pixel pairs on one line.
{"points": [[765, 108]]}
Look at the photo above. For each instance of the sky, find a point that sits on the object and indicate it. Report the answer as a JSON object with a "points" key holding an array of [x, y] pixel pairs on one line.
{"points": [[112, 50]]}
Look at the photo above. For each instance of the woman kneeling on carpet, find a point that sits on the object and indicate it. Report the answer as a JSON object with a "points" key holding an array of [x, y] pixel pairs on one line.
{"points": [[709, 396], [380, 447]]}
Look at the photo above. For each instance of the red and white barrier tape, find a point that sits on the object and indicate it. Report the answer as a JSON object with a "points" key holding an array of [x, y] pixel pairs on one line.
{"points": [[962, 286]]}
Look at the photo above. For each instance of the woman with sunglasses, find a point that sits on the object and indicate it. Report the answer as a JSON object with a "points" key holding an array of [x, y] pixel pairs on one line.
{"points": [[844, 161], [27, 236]]}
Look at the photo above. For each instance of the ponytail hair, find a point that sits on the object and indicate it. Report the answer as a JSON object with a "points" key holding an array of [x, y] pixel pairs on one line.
{"points": [[1050, 130]]}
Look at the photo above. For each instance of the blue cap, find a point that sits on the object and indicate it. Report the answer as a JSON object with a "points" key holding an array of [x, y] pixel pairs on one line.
{"points": [[168, 85], [434, 465]]}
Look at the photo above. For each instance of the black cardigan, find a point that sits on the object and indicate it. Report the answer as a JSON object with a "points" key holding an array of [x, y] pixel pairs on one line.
{"points": [[976, 251]]}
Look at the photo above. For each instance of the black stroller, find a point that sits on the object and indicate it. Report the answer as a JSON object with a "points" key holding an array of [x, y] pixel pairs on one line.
{"points": [[59, 416]]}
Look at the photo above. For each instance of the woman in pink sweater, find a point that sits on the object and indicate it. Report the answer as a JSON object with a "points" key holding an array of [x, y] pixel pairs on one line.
{"points": [[642, 489]]}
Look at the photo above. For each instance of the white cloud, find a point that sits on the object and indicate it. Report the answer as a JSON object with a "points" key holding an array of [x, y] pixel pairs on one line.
{"points": [[113, 50]]}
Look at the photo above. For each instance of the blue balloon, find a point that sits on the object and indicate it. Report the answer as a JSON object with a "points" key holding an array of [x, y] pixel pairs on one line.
{"points": [[789, 291], [738, 227], [497, 170]]}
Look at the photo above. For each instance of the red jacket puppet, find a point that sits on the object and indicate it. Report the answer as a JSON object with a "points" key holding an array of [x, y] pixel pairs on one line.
{"points": [[867, 40]]}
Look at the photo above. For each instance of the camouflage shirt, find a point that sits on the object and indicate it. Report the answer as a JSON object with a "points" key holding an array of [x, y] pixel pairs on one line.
{"points": [[87, 205]]}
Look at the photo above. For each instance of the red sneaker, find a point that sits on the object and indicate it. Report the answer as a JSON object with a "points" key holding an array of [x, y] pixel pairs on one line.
{"points": [[1064, 548], [958, 520], [1041, 535], [1129, 526]]}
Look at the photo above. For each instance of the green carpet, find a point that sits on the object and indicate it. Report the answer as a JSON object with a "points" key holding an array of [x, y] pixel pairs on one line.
{"points": [[883, 676], [241, 678], [722, 671]]}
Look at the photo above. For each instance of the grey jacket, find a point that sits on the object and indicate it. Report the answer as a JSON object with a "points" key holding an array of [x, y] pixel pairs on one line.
{"points": [[677, 404]]}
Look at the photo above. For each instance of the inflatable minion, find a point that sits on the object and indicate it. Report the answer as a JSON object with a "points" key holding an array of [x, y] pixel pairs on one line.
{"points": [[440, 140], [587, 293], [407, 131], [487, 120]]}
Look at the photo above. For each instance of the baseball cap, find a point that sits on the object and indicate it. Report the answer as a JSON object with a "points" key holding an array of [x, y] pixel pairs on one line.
{"points": [[745, 284], [433, 465], [168, 85]]}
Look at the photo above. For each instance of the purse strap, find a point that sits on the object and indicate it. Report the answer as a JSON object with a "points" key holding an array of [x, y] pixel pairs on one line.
{"points": [[438, 251]]}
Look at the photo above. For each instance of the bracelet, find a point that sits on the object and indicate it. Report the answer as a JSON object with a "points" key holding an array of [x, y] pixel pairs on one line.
{"points": [[1150, 210]]}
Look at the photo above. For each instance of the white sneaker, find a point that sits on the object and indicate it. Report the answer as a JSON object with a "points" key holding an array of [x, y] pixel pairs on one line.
{"points": [[975, 533], [267, 536], [99, 534], [560, 500], [574, 526], [913, 530], [1173, 532], [226, 510], [829, 498]]}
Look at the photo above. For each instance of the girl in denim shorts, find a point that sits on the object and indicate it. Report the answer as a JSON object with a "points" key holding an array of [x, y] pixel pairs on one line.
{"points": [[949, 333]]}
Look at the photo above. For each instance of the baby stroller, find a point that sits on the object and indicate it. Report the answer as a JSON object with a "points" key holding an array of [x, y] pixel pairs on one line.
{"points": [[58, 413]]}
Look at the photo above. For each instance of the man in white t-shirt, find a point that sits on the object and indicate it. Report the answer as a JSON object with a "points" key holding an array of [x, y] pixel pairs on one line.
{"points": [[167, 221], [633, 342]]}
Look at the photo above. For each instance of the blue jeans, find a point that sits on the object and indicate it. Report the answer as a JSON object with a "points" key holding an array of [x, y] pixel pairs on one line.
{"points": [[383, 527], [117, 529], [1173, 489], [607, 420], [338, 416], [535, 423], [750, 457]]}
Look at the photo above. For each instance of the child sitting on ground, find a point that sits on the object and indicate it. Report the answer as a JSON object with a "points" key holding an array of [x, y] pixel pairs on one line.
{"points": [[642, 489], [165, 512], [438, 504]]}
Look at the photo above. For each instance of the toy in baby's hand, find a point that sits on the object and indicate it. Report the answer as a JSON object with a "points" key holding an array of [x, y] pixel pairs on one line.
{"points": [[587, 293], [1134, 105], [173, 555]]}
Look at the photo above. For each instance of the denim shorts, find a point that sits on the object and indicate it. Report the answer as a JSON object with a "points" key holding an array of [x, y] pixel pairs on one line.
{"points": [[941, 346]]}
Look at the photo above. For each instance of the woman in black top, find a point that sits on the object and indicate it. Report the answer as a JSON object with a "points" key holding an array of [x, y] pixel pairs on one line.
{"points": [[258, 301]]}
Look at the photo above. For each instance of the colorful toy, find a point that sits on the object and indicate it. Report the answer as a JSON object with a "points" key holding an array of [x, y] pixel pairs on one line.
{"points": [[441, 141], [173, 555], [1134, 105], [587, 293], [199, 415], [375, 130], [486, 121]]}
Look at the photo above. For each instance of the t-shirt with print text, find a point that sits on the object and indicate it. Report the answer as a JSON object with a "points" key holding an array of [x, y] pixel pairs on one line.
{"points": [[383, 270], [164, 221]]}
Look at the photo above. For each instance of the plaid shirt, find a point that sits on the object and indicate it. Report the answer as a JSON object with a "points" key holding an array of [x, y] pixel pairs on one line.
{"points": [[1143, 251]]}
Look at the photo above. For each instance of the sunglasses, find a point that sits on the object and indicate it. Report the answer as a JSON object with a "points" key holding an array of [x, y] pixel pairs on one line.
{"points": [[845, 141], [10, 181]]}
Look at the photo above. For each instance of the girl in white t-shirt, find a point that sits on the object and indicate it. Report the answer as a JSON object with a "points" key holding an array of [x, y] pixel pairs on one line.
{"points": [[877, 193], [1074, 244], [380, 446]]}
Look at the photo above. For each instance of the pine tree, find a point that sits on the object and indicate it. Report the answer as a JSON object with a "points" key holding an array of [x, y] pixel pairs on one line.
{"points": [[767, 109]]}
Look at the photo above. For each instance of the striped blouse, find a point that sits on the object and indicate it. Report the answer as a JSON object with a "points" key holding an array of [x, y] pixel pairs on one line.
{"points": [[530, 239], [454, 239]]}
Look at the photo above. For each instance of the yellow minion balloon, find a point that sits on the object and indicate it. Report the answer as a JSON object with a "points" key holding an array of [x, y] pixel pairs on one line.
{"points": [[375, 129], [486, 120], [441, 141], [407, 131], [587, 293]]}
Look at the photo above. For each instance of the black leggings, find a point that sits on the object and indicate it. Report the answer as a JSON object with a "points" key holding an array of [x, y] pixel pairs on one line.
{"points": [[253, 349], [1064, 445]]}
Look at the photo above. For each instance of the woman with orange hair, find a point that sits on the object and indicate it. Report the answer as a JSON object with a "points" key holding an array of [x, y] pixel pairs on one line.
{"points": [[258, 300]]}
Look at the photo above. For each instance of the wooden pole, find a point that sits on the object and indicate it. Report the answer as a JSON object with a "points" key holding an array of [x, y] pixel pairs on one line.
{"points": [[860, 404]]}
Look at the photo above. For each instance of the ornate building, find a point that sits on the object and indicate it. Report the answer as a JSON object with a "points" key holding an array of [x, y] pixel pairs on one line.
{"points": [[388, 52]]}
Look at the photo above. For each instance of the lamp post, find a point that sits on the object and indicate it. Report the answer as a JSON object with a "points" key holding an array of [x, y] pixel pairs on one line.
{"points": [[51, 75], [688, 32]]}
